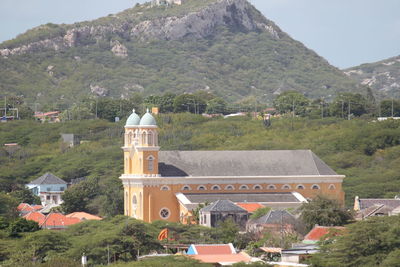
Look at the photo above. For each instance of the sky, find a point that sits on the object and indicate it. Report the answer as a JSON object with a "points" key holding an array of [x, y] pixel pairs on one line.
{"points": [[345, 32]]}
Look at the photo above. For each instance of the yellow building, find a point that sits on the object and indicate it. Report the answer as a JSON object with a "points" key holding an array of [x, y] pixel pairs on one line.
{"points": [[168, 185]]}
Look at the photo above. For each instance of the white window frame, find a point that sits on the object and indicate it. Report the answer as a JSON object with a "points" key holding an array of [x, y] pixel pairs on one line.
{"points": [[286, 185], [229, 187], [271, 187], [186, 186], [215, 187], [300, 185], [202, 186], [257, 185], [165, 188], [169, 213], [244, 187], [315, 185]]}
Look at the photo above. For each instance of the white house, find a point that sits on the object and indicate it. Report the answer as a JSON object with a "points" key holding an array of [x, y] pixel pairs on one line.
{"points": [[49, 188]]}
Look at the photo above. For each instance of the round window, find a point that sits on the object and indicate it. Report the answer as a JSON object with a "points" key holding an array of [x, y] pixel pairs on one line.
{"points": [[164, 213]]}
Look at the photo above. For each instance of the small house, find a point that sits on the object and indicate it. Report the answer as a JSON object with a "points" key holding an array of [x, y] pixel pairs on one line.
{"points": [[222, 210], [49, 188]]}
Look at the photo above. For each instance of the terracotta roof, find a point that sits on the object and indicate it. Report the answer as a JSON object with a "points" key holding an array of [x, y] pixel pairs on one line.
{"points": [[24, 208], [58, 220], [83, 216], [223, 258], [319, 231], [37, 207], [35, 216], [214, 249], [250, 207]]}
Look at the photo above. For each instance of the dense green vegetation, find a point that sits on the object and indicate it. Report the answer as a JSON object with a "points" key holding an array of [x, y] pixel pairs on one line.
{"points": [[366, 152], [231, 63], [370, 243]]}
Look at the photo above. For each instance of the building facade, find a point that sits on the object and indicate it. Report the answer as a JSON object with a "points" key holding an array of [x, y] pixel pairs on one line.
{"points": [[49, 188], [158, 184]]}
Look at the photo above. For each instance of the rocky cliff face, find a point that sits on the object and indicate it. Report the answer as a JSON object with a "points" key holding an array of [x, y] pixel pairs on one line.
{"points": [[382, 76], [236, 14]]}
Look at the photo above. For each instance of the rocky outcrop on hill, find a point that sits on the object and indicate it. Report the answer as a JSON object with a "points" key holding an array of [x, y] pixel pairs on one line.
{"points": [[236, 14], [382, 76]]}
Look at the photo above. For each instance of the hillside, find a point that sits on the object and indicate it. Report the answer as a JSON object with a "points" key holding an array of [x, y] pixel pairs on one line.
{"points": [[383, 76], [367, 153], [225, 46]]}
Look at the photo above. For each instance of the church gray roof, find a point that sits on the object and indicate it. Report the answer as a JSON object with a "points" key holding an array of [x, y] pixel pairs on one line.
{"points": [[223, 205], [242, 163], [48, 178]]}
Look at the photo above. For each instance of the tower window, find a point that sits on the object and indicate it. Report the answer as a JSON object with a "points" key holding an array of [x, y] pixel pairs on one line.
{"points": [[164, 213], [332, 187], [150, 163], [150, 138], [244, 187], [201, 187]]}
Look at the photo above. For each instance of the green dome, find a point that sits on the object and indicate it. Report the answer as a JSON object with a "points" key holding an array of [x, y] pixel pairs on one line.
{"points": [[133, 119], [148, 119]]}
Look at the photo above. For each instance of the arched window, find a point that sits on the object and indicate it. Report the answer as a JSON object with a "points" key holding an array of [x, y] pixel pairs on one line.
{"points": [[130, 138], [286, 187], [185, 188], [332, 187], [215, 187], [165, 188], [229, 187], [164, 213], [126, 202], [271, 187], [257, 187], [150, 163], [150, 138], [315, 187], [243, 187], [134, 205], [300, 186], [201, 187]]}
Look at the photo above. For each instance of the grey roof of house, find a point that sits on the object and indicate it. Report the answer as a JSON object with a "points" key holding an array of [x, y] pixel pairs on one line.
{"points": [[368, 202], [243, 197], [223, 205], [241, 163], [48, 178], [275, 217]]}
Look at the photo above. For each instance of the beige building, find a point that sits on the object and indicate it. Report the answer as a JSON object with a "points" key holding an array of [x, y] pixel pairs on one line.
{"points": [[168, 185]]}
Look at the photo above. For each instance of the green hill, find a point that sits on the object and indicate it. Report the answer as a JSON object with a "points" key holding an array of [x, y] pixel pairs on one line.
{"points": [[367, 153], [227, 47], [383, 77]]}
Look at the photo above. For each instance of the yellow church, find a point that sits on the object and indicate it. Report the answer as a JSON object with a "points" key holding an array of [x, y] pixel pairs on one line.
{"points": [[168, 185]]}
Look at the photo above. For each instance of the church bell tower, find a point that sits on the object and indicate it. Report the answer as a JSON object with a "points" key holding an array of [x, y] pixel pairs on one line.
{"points": [[140, 161]]}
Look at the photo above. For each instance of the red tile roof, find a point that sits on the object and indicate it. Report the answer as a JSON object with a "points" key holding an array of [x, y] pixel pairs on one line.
{"points": [[214, 249], [83, 216], [223, 258], [319, 231], [250, 207], [24, 207], [37, 207], [35, 216], [58, 221]]}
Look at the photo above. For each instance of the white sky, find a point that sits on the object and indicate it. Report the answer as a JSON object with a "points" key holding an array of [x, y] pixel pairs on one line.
{"points": [[345, 32]]}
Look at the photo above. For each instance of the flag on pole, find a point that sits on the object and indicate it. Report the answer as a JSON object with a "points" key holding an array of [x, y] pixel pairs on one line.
{"points": [[163, 234]]}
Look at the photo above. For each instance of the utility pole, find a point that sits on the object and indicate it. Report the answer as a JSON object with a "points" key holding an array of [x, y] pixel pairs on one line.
{"points": [[293, 114], [342, 109], [5, 107], [322, 109], [392, 107], [348, 108], [108, 254]]}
